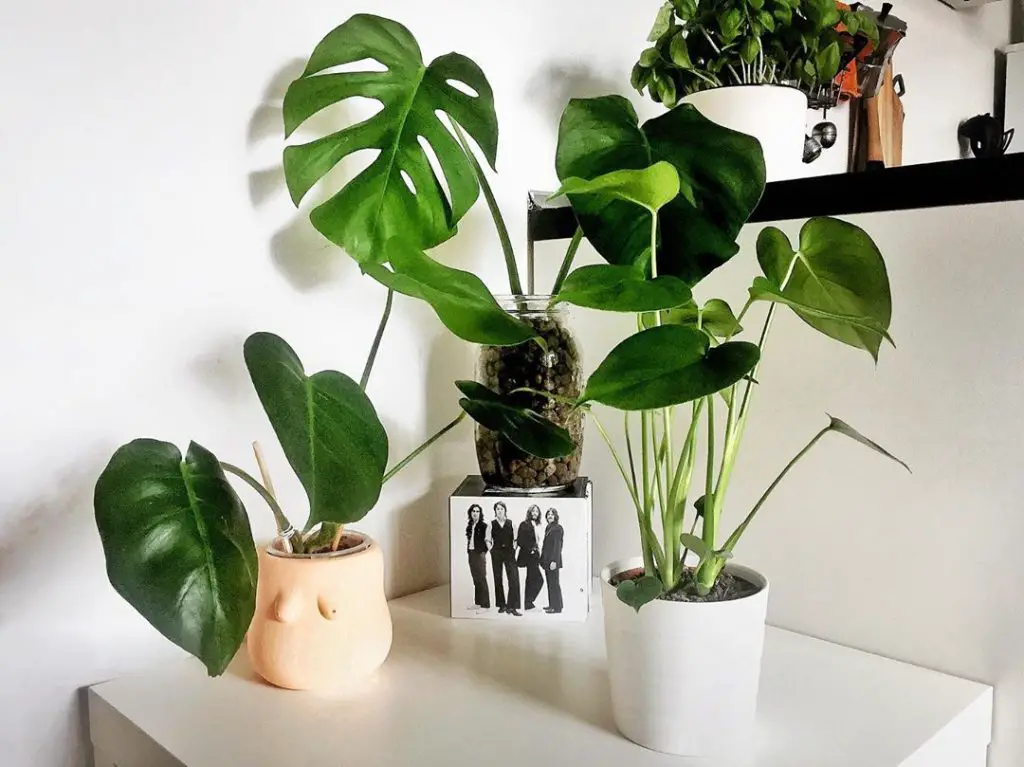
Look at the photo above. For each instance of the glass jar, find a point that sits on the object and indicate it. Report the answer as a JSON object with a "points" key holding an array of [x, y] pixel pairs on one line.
{"points": [[506, 369]]}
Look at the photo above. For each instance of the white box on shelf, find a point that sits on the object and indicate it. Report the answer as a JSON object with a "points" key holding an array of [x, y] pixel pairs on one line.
{"points": [[520, 556]]}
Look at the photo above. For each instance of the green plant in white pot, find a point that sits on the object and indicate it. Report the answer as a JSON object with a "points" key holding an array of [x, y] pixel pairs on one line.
{"points": [[662, 203], [745, 64]]}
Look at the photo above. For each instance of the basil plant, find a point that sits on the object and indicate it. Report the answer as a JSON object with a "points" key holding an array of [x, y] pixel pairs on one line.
{"points": [[663, 202], [701, 44]]}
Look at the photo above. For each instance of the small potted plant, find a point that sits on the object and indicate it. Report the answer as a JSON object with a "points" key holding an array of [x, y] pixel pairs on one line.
{"points": [[388, 215], [684, 626], [710, 53]]}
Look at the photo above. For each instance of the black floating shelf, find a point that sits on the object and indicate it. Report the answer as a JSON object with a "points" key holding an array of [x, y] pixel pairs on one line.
{"points": [[933, 185]]}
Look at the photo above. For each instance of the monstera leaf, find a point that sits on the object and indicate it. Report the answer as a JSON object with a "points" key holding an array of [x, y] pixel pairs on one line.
{"points": [[178, 546], [836, 282], [460, 299], [721, 173], [399, 193], [667, 366], [327, 427]]}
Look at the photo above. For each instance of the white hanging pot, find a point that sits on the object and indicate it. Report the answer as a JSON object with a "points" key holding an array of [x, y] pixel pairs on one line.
{"points": [[775, 115], [684, 675]]}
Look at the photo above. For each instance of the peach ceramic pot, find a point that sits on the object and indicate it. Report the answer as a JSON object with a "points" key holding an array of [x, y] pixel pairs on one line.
{"points": [[322, 622]]}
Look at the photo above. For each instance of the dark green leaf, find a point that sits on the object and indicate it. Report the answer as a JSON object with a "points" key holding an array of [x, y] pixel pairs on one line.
{"points": [[639, 77], [527, 430], [749, 50], [460, 299], [649, 57], [848, 431], [327, 427], [636, 593], [868, 27], [651, 188], [716, 318], [667, 92], [761, 290], [699, 506], [696, 545], [729, 23], [839, 270], [378, 204], [827, 62], [621, 289], [767, 20], [783, 14], [775, 254], [685, 9], [178, 546], [851, 20], [724, 168], [662, 23], [667, 366], [679, 53]]}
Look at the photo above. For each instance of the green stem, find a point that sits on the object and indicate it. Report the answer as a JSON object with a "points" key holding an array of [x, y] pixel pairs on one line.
{"points": [[570, 256], [738, 533], [629, 451], [372, 357], [710, 520], [499, 222], [546, 394], [284, 527], [413, 455]]}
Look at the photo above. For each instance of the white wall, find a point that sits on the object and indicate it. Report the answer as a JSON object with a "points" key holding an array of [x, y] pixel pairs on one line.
{"points": [[145, 233]]}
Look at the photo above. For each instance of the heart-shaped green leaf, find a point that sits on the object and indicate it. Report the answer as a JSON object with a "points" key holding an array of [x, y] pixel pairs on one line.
{"points": [[460, 299], [399, 193], [761, 290], [724, 169], [667, 366], [527, 430], [696, 545], [837, 274], [651, 188], [846, 430], [716, 318], [178, 546], [327, 426], [621, 289], [636, 593]]}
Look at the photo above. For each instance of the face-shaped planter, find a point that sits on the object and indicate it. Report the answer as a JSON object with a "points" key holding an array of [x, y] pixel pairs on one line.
{"points": [[322, 622]]}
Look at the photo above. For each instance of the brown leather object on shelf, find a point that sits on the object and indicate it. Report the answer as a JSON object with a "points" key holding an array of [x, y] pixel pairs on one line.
{"points": [[885, 124]]}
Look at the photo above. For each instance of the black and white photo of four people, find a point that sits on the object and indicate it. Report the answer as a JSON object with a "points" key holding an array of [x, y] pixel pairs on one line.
{"points": [[539, 553]]}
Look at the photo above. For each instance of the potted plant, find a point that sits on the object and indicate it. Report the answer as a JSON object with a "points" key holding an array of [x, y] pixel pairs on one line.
{"points": [[179, 548], [388, 215], [710, 52], [176, 537], [662, 202]]}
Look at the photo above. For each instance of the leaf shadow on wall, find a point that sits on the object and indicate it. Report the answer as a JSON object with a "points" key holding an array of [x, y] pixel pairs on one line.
{"points": [[555, 82], [300, 253]]}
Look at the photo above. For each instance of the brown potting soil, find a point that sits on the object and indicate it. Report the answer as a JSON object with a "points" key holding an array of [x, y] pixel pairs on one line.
{"points": [[727, 588]]}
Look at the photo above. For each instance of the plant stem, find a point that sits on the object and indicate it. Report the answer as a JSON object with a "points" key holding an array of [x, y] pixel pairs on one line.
{"points": [[413, 455], [710, 521], [372, 357], [738, 533], [629, 451], [284, 527], [570, 256], [499, 222]]}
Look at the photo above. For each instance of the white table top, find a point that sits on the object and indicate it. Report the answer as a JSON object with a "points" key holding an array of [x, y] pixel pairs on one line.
{"points": [[491, 694]]}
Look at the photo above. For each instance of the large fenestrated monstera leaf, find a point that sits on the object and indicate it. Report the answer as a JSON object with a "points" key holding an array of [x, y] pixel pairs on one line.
{"points": [[378, 204], [327, 427], [178, 546], [723, 169]]}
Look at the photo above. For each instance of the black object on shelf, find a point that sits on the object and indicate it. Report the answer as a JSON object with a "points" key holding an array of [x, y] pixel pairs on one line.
{"points": [[933, 185]]}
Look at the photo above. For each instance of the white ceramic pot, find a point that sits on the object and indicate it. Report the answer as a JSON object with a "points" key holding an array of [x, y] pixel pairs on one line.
{"points": [[684, 676], [775, 115]]}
